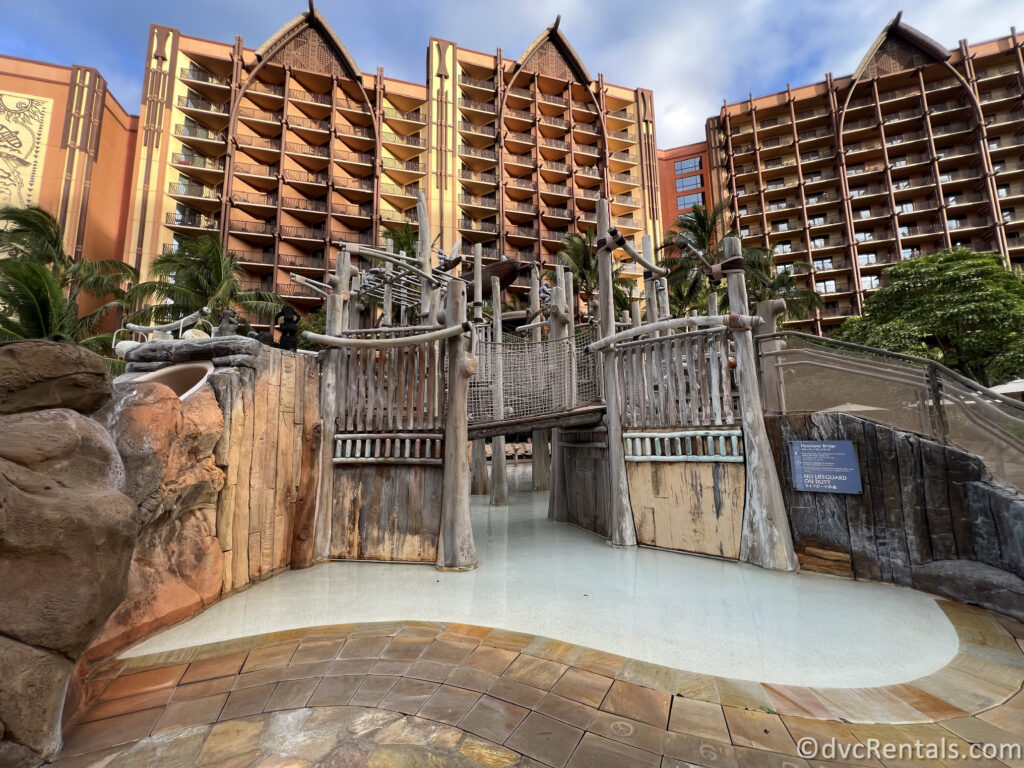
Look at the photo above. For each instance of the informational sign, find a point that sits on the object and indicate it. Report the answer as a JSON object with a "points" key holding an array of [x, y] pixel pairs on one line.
{"points": [[825, 466]]}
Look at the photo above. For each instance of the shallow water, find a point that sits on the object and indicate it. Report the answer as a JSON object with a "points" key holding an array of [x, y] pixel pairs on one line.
{"points": [[694, 613]]}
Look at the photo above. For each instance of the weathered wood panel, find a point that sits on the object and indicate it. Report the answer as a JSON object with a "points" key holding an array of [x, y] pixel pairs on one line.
{"points": [[588, 490], [688, 506], [386, 513]]}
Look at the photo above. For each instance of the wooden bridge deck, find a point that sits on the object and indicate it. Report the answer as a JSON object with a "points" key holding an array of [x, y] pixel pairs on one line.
{"points": [[586, 416]]}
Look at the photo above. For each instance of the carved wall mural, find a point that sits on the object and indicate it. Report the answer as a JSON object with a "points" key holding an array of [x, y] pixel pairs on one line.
{"points": [[24, 122]]}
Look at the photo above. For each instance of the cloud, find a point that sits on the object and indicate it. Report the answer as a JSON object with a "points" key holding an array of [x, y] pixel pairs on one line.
{"points": [[691, 54]]}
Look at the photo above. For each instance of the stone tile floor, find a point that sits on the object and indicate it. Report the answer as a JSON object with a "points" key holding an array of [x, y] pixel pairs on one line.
{"points": [[434, 694]]}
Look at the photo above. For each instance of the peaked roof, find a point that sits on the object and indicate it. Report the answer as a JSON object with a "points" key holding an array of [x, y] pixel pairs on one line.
{"points": [[897, 31], [562, 45], [311, 19]]}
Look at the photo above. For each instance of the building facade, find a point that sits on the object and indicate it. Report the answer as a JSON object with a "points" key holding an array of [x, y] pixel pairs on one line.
{"points": [[66, 145], [684, 181], [921, 149], [287, 150]]}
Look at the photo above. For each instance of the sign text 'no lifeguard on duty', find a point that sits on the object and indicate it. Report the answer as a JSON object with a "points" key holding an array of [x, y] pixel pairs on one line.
{"points": [[825, 466]]}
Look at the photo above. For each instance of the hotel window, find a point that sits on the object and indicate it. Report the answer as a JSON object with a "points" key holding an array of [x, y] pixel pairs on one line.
{"points": [[784, 246], [823, 264], [910, 252], [826, 286], [778, 205], [816, 221], [899, 162], [862, 213], [741, 189], [904, 230], [947, 177], [858, 191], [812, 199], [774, 162], [901, 183], [1008, 215], [813, 176], [784, 269], [870, 282], [742, 211], [855, 170], [744, 231], [869, 257], [905, 207], [993, 143], [956, 223], [689, 201], [688, 165], [780, 226], [814, 154], [819, 242], [863, 237], [776, 184], [690, 182], [1004, 190]]}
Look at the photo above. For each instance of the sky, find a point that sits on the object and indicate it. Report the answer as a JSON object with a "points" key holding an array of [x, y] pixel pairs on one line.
{"points": [[693, 55]]}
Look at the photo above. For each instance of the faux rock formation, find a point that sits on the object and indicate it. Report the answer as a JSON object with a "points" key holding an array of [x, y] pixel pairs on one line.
{"points": [[41, 374], [167, 449], [66, 540], [195, 349]]}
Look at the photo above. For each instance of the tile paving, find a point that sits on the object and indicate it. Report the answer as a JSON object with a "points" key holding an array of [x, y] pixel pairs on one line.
{"points": [[435, 694]]}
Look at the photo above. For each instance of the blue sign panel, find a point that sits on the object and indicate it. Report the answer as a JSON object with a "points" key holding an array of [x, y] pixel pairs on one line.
{"points": [[825, 466]]}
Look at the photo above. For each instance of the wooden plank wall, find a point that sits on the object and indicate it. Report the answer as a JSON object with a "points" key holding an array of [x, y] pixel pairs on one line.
{"points": [[588, 492], [688, 506], [389, 511], [269, 415]]}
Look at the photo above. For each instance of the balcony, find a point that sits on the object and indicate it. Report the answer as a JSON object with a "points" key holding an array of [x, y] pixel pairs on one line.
{"points": [[202, 105], [351, 105], [305, 177], [248, 169], [254, 199], [352, 210], [483, 130], [297, 291], [303, 261], [403, 165], [558, 122], [409, 116], [269, 88], [409, 141], [522, 114], [479, 201], [188, 160], [323, 126], [310, 98], [485, 154], [307, 149], [304, 204], [302, 233], [520, 207], [482, 177], [522, 183], [487, 252], [399, 217], [264, 258], [260, 115], [478, 226], [479, 106], [524, 233], [252, 227], [357, 131], [199, 75], [192, 221], [476, 82], [183, 189], [199, 132]]}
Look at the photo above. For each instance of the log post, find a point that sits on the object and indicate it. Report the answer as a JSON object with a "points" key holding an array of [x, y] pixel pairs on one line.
{"points": [[388, 290], [499, 475], [354, 307], [426, 261], [540, 460], [766, 539], [557, 499], [622, 530], [456, 550], [478, 484], [331, 361]]}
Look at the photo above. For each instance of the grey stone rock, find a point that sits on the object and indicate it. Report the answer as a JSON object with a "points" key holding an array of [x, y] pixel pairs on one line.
{"points": [[32, 687], [233, 361], [968, 581], [176, 351], [40, 374]]}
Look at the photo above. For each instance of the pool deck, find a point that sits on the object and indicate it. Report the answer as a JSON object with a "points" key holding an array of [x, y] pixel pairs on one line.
{"points": [[559, 651]]}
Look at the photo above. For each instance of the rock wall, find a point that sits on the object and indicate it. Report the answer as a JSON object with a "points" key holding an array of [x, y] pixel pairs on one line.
{"points": [[67, 533], [219, 480], [929, 516]]}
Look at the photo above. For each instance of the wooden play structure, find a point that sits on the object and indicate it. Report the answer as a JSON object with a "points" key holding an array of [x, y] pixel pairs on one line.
{"points": [[655, 423]]}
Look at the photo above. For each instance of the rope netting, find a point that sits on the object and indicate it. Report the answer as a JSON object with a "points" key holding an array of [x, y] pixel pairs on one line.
{"points": [[536, 378]]}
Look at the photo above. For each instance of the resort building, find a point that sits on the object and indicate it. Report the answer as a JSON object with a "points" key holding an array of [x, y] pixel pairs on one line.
{"points": [[684, 181], [919, 150], [288, 149], [66, 145]]}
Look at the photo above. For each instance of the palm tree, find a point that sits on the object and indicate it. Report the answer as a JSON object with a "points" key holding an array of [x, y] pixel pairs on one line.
{"points": [[42, 286], [698, 227], [200, 273], [403, 238], [765, 282], [579, 255]]}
